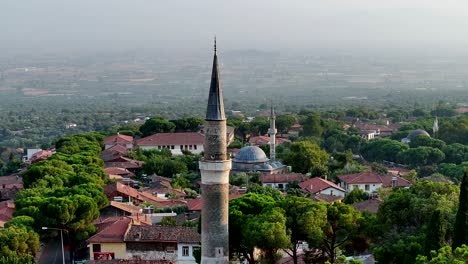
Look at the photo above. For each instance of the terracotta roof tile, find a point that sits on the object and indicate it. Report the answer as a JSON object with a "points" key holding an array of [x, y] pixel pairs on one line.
{"points": [[262, 140], [372, 177], [118, 139], [162, 139], [178, 234], [114, 233], [118, 171], [318, 184], [327, 198]]}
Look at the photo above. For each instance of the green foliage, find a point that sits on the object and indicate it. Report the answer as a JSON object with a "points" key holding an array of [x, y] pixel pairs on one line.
{"points": [[284, 122], [424, 141], [356, 195], [445, 255], [155, 125], [259, 126], [421, 156], [258, 189], [454, 130], [461, 223], [18, 242], [455, 153], [435, 238], [168, 221], [405, 216], [187, 124], [312, 125], [453, 171], [267, 231], [383, 149], [305, 156], [26, 259], [305, 220]]}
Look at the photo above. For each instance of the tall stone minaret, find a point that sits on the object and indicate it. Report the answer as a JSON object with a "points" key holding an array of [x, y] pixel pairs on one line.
{"points": [[272, 132], [214, 168]]}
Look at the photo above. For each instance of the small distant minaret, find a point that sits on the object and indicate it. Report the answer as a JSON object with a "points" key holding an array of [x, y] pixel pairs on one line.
{"points": [[214, 168], [272, 132]]}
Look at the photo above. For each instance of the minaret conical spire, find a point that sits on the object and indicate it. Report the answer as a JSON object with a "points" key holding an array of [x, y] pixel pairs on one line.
{"points": [[215, 109]]}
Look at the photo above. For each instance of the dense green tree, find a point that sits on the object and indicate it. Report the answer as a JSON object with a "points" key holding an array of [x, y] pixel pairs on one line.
{"points": [[312, 125], [241, 210], [18, 241], [187, 124], [383, 149], [455, 153], [284, 122], [267, 231], [461, 223], [342, 220], [421, 156], [445, 255], [355, 196], [305, 156], [259, 126], [304, 222], [155, 125], [424, 141], [437, 230], [453, 171]]}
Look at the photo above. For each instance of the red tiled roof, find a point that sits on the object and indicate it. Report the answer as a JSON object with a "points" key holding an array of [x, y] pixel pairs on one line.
{"points": [[6, 211], [371, 177], [279, 178], [129, 208], [163, 139], [262, 140], [318, 184], [41, 155], [462, 110], [113, 233], [116, 148], [327, 198], [130, 192], [118, 171], [196, 204], [118, 139], [11, 180], [178, 234]]}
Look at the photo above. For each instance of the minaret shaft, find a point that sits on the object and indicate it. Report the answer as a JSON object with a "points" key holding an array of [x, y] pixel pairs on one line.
{"points": [[272, 132], [214, 169]]}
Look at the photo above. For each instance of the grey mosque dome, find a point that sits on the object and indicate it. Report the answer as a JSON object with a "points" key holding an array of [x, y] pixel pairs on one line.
{"points": [[250, 154], [417, 132]]}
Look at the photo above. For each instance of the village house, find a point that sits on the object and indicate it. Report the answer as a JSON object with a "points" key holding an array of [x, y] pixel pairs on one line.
{"points": [[370, 182], [122, 140], [318, 185], [175, 142], [281, 181], [126, 240], [10, 186]]}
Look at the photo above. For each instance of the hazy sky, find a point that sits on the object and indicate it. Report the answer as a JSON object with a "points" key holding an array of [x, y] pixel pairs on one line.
{"points": [[189, 25]]}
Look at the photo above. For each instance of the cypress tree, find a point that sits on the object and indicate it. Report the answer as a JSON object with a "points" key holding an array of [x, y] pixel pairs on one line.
{"points": [[460, 230], [435, 238]]}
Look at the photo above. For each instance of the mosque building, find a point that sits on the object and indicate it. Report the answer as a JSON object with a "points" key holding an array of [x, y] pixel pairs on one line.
{"points": [[254, 159]]}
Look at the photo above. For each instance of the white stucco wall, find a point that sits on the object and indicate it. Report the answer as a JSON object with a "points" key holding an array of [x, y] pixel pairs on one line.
{"points": [[333, 191], [373, 187], [185, 259], [177, 149]]}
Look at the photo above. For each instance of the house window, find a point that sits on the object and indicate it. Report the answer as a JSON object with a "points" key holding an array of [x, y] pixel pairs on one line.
{"points": [[194, 146], [331, 192], [355, 187], [185, 251], [190, 147], [367, 187], [280, 186], [96, 247], [172, 147], [181, 147]]}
